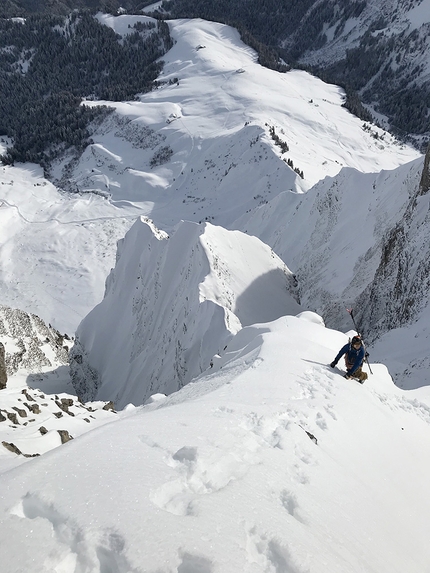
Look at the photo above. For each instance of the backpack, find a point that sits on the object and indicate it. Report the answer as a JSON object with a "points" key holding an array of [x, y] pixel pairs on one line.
{"points": [[366, 354]]}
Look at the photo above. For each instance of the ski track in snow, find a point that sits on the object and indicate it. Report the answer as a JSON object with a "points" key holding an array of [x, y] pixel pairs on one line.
{"points": [[209, 468]]}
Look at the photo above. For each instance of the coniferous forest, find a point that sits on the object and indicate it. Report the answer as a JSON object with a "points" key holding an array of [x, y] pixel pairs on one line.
{"points": [[49, 63]]}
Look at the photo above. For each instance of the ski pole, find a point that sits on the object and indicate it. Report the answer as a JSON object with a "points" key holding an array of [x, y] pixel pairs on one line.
{"points": [[351, 314]]}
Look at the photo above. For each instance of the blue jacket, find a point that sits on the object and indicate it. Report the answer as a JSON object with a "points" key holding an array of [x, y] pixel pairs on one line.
{"points": [[354, 357]]}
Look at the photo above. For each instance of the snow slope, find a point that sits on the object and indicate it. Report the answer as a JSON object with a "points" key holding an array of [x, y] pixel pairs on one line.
{"points": [[56, 249], [214, 113], [219, 170], [273, 462], [268, 461], [360, 241], [171, 304]]}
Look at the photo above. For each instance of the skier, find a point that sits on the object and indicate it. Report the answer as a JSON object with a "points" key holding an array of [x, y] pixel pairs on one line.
{"points": [[354, 353]]}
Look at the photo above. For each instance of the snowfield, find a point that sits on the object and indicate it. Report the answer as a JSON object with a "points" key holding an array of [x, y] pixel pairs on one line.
{"points": [[273, 462], [206, 281]]}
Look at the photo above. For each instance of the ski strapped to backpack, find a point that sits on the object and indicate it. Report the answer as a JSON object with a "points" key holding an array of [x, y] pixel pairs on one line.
{"points": [[366, 354]]}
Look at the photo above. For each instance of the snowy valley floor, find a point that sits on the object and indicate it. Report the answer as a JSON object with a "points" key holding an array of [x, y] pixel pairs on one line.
{"points": [[270, 462]]}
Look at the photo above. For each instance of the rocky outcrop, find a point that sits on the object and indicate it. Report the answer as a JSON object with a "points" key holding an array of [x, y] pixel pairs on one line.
{"points": [[401, 284], [33, 345], [29, 412], [3, 372], [425, 177], [65, 436], [176, 301], [15, 450]]}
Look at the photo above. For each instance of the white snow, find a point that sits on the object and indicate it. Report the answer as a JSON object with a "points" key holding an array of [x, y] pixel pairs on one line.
{"points": [[55, 248], [219, 170], [267, 460], [171, 304], [223, 477]]}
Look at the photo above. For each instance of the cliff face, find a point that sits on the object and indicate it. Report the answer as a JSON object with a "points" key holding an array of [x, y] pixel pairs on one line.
{"points": [[171, 304], [3, 372], [401, 285], [29, 343], [362, 240], [425, 177]]}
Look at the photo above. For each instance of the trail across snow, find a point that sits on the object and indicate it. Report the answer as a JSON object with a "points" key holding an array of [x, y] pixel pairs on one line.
{"points": [[223, 476]]}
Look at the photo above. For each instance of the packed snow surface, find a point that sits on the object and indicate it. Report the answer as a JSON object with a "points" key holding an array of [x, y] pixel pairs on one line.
{"points": [[272, 463]]}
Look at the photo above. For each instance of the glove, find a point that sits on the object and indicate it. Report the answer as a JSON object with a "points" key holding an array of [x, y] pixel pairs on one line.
{"points": [[333, 364], [347, 376]]}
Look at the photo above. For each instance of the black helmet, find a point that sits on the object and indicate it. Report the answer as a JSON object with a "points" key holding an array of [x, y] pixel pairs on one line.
{"points": [[356, 340]]}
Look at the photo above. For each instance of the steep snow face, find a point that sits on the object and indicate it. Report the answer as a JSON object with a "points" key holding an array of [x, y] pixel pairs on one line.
{"points": [[332, 237], [250, 468], [361, 240], [56, 249], [171, 304]]}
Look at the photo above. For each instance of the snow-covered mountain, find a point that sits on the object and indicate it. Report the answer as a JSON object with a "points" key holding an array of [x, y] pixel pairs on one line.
{"points": [[171, 305], [221, 122], [379, 48], [365, 246], [211, 145], [273, 462]]}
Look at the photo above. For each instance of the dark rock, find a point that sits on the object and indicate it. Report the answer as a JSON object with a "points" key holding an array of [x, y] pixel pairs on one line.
{"points": [[65, 436], [425, 177], [109, 406], [2, 418], [12, 448], [62, 406], [33, 408], [20, 411], [58, 414], [13, 418], [3, 373], [43, 430], [27, 395]]}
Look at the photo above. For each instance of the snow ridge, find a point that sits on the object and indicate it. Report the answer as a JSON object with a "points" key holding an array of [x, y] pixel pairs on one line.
{"points": [[171, 304]]}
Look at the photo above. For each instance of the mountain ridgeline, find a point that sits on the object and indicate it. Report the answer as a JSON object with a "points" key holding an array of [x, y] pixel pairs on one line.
{"points": [[375, 49], [49, 63]]}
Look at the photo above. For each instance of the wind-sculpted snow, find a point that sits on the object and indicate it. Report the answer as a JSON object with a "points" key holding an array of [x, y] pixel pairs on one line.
{"points": [[199, 147], [269, 462], [171, 304], [37, 411]]}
